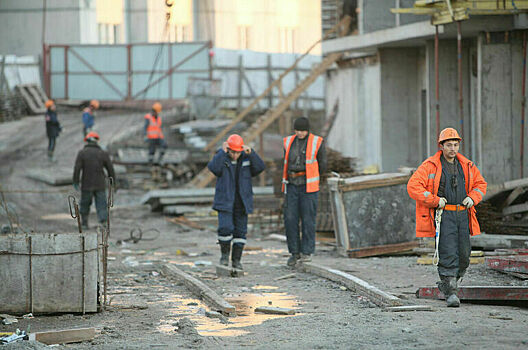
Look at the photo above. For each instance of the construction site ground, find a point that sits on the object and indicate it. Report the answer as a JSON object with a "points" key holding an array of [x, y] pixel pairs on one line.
{"points": [[150, 310]]}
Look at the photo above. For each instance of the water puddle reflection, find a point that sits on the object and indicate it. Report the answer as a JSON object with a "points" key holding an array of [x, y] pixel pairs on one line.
{"points": [[245, 304]]}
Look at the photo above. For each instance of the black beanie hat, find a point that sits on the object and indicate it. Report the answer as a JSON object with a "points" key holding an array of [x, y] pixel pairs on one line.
{"points": [[301, 124]]}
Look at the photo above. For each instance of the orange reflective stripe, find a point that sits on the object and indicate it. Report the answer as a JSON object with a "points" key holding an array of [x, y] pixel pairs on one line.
{"points": [[154, 127]]}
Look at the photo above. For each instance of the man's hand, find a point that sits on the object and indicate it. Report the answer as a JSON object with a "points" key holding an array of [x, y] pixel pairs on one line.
{"points": [[468, 202], [246, 149], [224, 147], [442, 203], [76, 187]]}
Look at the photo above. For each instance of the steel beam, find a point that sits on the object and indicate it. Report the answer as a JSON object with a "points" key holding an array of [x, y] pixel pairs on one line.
{"points": [[488, 293]]}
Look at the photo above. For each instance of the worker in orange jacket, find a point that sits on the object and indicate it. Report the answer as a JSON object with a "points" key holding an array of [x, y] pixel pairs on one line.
{"points": [[153, 134], [451, 182]]}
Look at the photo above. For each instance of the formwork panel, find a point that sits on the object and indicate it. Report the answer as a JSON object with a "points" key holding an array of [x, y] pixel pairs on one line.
{"points": [[56, 277]]}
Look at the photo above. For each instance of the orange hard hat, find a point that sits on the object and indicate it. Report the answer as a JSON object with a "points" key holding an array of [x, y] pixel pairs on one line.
{"points": [[235, 143], [91, 135], [448, 134], [156, 107], [49, 103], [94, 104]]}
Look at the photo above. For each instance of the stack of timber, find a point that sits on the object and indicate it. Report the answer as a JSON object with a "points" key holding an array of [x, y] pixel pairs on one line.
{"points": [[504, 209], [373, 214]]}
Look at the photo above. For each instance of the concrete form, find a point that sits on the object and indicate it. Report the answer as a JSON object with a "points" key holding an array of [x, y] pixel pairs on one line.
{"points": [[389, 119], [48, 273]]}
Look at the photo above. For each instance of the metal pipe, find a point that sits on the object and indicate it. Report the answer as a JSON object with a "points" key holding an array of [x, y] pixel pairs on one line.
{"points": [[523, 105], [460, 89], [437, 86], [30, 242]]}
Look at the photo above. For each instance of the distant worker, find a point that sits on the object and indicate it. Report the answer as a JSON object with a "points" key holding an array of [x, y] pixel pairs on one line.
{"points": [[153, 134], [304, 162], [450, 182], [53, 127], [234, 165], [88, 116], [91, 161]]}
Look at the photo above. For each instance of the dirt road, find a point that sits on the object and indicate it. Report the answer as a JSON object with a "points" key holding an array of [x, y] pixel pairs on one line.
{"points": [[150, 310]]}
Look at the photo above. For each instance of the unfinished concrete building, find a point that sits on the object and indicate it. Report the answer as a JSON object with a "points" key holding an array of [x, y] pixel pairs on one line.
{"points": [[386, 88]]}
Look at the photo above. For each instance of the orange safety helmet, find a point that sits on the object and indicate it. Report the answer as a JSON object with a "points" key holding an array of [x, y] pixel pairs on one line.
{"points": [[235, 143], [94, 104], [49, 103], [448, 134], [91, 135], [156, 107]]}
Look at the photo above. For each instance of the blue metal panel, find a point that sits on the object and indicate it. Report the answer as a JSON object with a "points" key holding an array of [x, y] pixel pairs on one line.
{"points": [[198, 61], [102, 58], [57, 59], [157, 91], [88, 86], [144, 57], [57, 86]]}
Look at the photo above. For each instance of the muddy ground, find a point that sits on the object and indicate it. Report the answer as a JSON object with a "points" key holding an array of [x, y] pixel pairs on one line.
{"points": [[149, 310]]}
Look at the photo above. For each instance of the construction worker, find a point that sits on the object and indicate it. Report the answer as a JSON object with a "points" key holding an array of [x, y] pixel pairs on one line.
{"points": [[451, 182], [91, 161], [153, 134], [234, 165], [53, 127], [304, 161], [88, 116]]}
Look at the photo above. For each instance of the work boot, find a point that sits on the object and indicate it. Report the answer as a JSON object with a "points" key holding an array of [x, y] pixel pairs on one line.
{"points": [[236, 255], [448, 286], [224, 250], [305, 257], [292, 260]]}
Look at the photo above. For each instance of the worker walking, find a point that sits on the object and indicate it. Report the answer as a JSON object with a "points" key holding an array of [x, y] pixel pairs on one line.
{"points": [[53, 127], [153, 134], [88, 116], [92, 161], [234, 165], [304, 161], [451, 182]]}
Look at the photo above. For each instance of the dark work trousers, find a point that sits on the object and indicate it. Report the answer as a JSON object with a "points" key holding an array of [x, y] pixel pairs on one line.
{"points": [[156, 143], [454, 247], [100, 204], [301, 206], [51, 144], [232, 226]]}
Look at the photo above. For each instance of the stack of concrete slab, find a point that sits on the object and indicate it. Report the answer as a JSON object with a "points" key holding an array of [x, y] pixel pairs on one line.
{"points": [[373, 214], [49, 273]]}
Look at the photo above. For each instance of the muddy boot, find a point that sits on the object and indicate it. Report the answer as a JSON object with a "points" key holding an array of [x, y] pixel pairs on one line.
{"points": [[225, 248], [236, 255], [292, 260], [306, 257], [448, 286]]}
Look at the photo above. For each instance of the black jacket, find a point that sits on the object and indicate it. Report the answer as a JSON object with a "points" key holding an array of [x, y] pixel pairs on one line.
{"points": [[91, 160], [53, 127]]}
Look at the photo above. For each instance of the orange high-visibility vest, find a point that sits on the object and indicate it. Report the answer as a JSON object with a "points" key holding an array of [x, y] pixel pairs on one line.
{"points": [[312, 166], [154, 127]]}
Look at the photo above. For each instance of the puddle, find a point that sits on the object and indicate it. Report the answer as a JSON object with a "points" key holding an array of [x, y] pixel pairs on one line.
{"points": [[245, 304], [264, 287], [270, 252], [60, 216], [184, 263]]}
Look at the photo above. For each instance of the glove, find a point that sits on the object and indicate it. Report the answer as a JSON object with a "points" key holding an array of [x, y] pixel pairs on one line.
{"points": [[468, 202], [76, 187], [442, 203]]}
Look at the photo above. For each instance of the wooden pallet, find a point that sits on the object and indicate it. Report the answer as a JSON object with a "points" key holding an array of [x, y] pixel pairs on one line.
{"points": [[34, 97]]}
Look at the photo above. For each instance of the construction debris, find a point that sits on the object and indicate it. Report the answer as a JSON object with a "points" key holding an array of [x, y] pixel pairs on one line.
{"points": [[406, 247], [406, 308], [225, 271], [517, 264], [64, 336], [274, 310]]}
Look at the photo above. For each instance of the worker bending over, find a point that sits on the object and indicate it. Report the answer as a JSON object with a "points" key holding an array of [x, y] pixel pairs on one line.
{"points": [[451, 182], [234, 165]]}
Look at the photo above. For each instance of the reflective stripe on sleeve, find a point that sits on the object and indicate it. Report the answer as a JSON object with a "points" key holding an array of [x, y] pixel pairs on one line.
{"points": [[426, 194]]}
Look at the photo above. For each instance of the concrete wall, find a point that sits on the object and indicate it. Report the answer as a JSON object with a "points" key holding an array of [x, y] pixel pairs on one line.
{"points": [[448, 85], [356, 130], [21, 25], [400, 108]]}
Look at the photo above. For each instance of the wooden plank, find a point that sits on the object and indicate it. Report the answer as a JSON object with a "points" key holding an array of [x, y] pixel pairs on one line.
{"points": [[64, 336], [513, 196], [515, 209], [373, 181], [506, 186], [275, 310], [518, 263], [406, 308], [200, 289], [488, 293], [226, 271], [382, 249], [361, 287], [428, 260]]}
